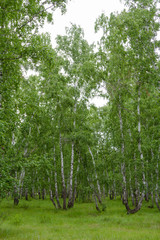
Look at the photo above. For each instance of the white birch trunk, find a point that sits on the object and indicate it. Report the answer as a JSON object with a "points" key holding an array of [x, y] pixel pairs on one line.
{"points": [[137, 191], [139, 142], [71, 178], [16, 191], [22, 175], [94, 164], [70, 202], [94, 193], [62, 164], [55, 178], [62, 173], [51, 194], [75, 183], [125, 198], [130, 184], [139, 147]]}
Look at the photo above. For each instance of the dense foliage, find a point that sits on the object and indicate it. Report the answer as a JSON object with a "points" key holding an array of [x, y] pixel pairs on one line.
{"points": [[52, 140]]}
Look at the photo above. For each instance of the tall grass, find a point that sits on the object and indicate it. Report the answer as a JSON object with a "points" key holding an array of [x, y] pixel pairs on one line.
{"points": [[38, 220]]}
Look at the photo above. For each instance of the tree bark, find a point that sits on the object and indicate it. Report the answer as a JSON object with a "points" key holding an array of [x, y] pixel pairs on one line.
{"points": [[75, 183], [26, 194], [124, 185], [64, 193], [98, 186], [43, 193], [15, 194], [157, 181], [55, 178], [51, 197], [70, 202], [125, 196]]}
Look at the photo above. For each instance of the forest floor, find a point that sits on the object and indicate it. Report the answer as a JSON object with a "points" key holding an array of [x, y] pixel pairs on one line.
{"points": [[38, 220]]}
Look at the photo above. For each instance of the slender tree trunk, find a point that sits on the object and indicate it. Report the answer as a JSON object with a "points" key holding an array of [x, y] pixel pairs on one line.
{"points": [[147, 187], [135, 193], [136, 183], [75, 183], [94, 194], [104, 187], [71, 179], [43, 193], [157, 181], [21, 182], [32, 192], [130, 184], [124, 185], [55, 178], [152, 181], [152, 196], [95, 199], [114, 185], [16, 200], [15, 194], [108, 190], [51, 197], [70, 202], [139, 141], [64, 193], [26, 194], [39, 193], [98, 186]]}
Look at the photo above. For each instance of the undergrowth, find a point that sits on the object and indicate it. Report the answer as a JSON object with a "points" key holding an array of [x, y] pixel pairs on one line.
{"points": [[38, 220]]}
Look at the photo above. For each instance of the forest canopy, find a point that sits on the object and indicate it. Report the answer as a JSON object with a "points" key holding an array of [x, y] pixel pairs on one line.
{"points": [[53, 141]]}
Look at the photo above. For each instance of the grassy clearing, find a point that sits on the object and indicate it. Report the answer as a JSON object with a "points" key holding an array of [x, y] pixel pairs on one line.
{"points": [[38, 220]]}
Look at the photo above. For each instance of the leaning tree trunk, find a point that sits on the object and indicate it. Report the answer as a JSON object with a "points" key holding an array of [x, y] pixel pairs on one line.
{"points": [[94, 194], [98, 186], [95, 199], [51, 193]]}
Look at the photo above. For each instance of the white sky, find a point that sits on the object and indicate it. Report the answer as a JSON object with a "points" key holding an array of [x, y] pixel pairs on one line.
{"points": [[83, 13]]}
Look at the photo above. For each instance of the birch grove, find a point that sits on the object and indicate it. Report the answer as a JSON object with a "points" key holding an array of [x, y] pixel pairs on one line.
{"points": [[56, 144]]}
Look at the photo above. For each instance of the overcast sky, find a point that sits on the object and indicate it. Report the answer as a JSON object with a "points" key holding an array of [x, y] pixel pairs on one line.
{"points": [[83, 13]]}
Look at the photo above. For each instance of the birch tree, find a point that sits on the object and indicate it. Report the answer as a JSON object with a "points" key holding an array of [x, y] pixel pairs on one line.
{"points": [[128, 58]]}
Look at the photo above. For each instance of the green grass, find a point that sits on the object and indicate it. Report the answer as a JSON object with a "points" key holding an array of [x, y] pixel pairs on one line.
{"points": [[38, 220]]}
